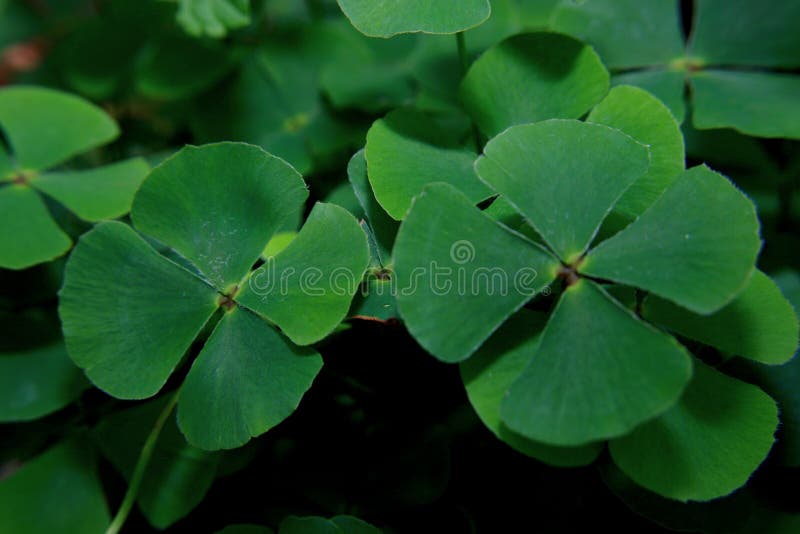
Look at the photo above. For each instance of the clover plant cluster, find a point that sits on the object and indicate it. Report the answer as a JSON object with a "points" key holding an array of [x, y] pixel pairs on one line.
{"points": [[208, 206]]}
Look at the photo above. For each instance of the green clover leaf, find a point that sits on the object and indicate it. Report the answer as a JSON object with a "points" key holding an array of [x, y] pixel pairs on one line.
{"points": [[216, 206], [533, 77], [596, 371], [732, 65], [63, 481], [45, 128], [385, 18]]}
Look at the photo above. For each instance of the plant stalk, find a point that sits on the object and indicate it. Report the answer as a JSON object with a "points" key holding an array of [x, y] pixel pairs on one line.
{"points": [[141, 467]]}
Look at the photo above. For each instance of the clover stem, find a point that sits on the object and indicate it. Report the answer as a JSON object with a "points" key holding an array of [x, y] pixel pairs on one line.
{"points": [[464, 60], [462, 52], [141, 467]]}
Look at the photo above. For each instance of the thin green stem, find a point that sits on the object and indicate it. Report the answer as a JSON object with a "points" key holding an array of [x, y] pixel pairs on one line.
{"points": [[462, 52], [464, 60], [141, 467]]}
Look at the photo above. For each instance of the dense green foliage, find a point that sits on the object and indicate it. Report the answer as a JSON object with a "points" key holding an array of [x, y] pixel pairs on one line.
{"points": [[361, 266]]}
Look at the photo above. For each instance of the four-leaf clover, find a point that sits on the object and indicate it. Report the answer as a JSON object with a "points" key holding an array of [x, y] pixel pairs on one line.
{"points": [[130, 313]]}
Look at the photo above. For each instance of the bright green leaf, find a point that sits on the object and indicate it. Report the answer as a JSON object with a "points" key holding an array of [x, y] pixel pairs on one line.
{"points": [[247, 379], [306, 289], [385, 18], [406, 151], [564, 176], [219, 225], [493, 369], [695, 246], [598, 372], [755, 103], [128, 313], [29, 235], [46, 127], [58, 491], [530, 78], [759, 323], [453, 261], [707, 445], [95, 194], [643, 117]]}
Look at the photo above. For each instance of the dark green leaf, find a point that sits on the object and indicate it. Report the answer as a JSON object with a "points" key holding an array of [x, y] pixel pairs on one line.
{"points": [[385, 18], [247, 379], [707, 445], [455, 264], [29, 234], [643, 117], [695, 246], [530, 78], [129, 314], [220, 225], [306, 289], [597, 373], [406, 151], [489, 374], [759, 323], [57, 491], [564, 176]]}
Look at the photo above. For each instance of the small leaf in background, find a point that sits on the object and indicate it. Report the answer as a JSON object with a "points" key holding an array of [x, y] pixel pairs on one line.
{"points": [[707, 445], [58, 491], [47, 127], [725, 33], [626, 33], [95, 194], [493, 369], [597, 372], [530, 78], [759, 323], [243, 360], [564, 176], [696, 245], [178, 475], [406, 151], [385, 18], [245, 529], [623, 109], [44, 128], [485, 273], [725, 99], [213, 18], [30, 236], [36, 375]]}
